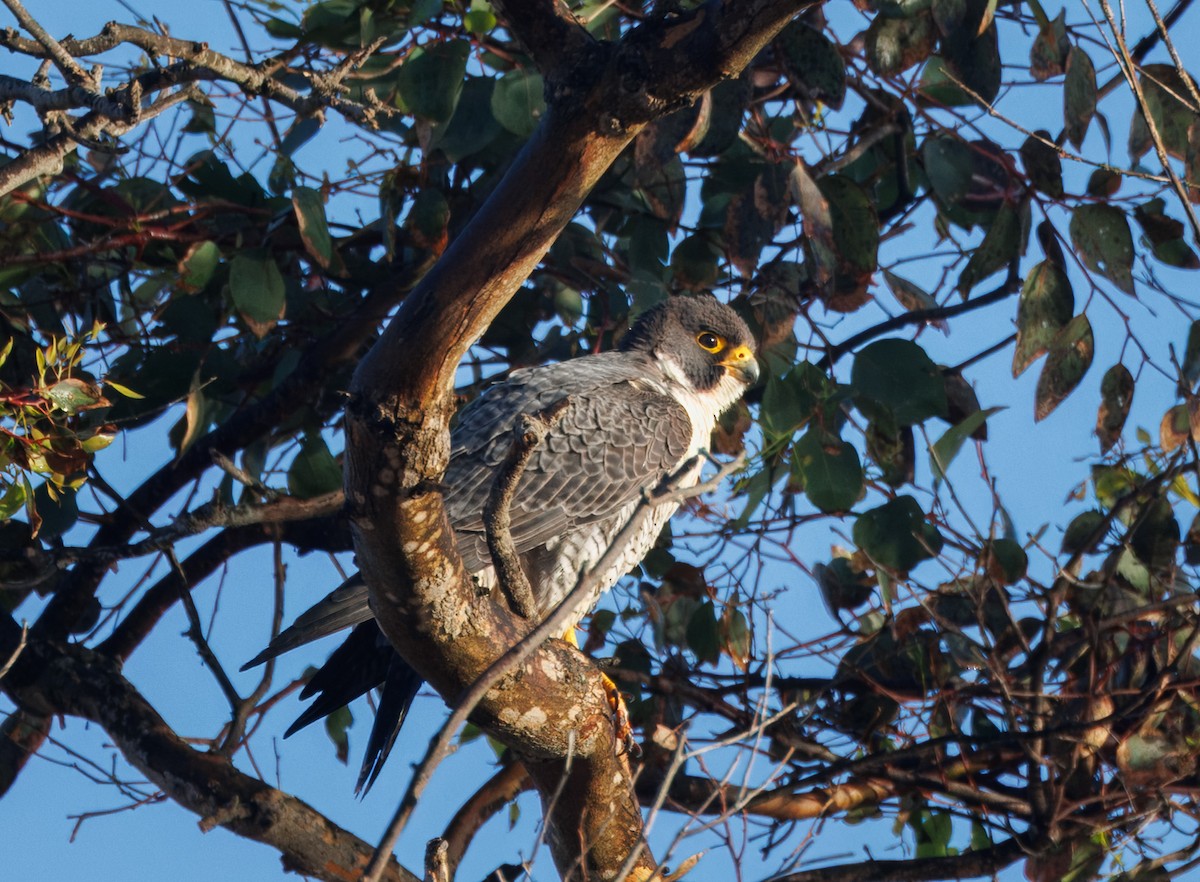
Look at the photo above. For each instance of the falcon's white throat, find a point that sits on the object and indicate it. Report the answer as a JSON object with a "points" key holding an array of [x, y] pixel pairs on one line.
{"points": [[703, 406]]}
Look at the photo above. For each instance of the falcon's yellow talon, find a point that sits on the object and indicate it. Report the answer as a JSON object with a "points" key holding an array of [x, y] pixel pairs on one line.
{"points": [[616, 703], [624, 731]]}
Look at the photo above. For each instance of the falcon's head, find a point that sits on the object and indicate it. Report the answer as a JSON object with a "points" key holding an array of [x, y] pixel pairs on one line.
{"points": [[701, 342]]}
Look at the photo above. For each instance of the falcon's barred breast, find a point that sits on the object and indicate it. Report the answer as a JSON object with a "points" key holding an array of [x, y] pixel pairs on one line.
{"points": [[634, 418]]}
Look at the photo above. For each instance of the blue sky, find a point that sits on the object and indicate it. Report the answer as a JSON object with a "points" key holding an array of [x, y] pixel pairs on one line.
{"points": [[1036, 466]]}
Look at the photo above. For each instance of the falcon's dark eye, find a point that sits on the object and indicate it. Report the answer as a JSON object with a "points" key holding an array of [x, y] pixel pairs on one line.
{"points": [[709, 341]]}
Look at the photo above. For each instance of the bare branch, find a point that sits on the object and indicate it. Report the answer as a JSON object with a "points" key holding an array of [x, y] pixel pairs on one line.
{"points": [[66, 64], [985, 862], [499, 790], [69, 679]]}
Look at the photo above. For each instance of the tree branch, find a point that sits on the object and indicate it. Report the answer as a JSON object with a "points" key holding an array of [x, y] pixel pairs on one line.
{"points": [[552, 36], [985, 862], [499, 790], [68, 679], [400, 409]]}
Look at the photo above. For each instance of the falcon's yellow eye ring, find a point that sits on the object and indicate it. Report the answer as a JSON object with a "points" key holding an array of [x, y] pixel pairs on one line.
{"points": [[710, 342]]}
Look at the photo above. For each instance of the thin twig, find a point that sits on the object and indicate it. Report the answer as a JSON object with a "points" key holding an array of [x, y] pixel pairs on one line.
{"points": [[16, 653], [62, 59]]}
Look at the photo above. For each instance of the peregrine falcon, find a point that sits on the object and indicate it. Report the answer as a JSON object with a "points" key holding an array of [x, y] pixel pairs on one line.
{"points": [[633, 418]]}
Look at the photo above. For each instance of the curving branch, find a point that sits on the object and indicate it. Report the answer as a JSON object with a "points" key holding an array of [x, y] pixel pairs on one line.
{"points": [[68, 679], [119, 111], [555, 714]]}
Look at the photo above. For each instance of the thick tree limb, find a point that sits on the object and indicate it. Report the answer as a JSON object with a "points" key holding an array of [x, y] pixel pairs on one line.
{"points": [[56, 678], [21, 735], [499, 790], [550, 34], [401, 406]]}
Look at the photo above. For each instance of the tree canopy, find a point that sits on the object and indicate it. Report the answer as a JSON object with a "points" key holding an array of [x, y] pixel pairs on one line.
{"points": [[282, 264]]}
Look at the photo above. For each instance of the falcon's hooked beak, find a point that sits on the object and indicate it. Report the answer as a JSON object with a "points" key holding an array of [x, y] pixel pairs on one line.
{"points": [[741, 362]]}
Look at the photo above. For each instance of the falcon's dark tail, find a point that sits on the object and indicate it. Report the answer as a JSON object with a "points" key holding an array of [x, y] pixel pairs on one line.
{"points": [[365, 661]]}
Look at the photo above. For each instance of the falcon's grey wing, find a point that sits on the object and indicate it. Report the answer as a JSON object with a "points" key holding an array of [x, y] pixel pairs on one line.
{"points": [[619, 436], [346, 605]]}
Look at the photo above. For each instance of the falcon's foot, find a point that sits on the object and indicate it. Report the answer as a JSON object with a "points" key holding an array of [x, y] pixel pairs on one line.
{"points": [[625, 741], [624, 732]]}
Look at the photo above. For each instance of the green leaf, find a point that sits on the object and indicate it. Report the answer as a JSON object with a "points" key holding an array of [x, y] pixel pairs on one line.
{"points": [[301, 132], [518, 102], [1165, 235], [72, 395], [949, 168], [314, 230], [855, 224], [1116, 397], [898, 375], [1003, 245], [1006, 561], [428, 220], [1080, 535], [1191, 356], [124, 390], [912, 297], [943, 451], [203, 121], [57, 514], [337, 726], [1048, 55], [1154, 536], [974, 61], [832, 474], [1043, 164], [473, 127], [940, 85], [948, 15], [314, 471], [431, 80], [1079, 95], [815, 62], [896, 535], [694, 263], [703, 633], [479, 19], [1046, 305], [198, 265], [257, 290], [736, 636], [841, 586], [789, 401], [1167, 97], [1069, 359], [896, 44], [12, 501], [754, 214], [1100, 234]]}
